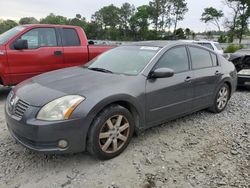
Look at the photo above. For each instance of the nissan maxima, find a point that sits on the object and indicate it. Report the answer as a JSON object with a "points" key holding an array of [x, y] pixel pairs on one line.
{"points": [[98, 107]]}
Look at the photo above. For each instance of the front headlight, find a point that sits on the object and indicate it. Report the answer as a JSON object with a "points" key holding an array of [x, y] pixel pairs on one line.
{"points": [[60, 109], [244, 72]]}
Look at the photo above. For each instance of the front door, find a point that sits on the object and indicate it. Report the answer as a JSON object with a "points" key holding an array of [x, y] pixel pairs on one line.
{"points": [[167, 98], [43, 54]]}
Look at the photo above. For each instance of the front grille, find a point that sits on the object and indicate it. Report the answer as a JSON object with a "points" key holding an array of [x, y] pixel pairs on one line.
{"points": [[20, 108]]}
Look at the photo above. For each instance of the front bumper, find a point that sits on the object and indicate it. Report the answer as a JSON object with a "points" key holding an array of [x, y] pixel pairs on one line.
{"points": [[244, 80], [43, 136]]}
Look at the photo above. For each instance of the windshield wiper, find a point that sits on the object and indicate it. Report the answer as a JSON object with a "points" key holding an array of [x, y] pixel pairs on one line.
{"points": [[100, 69]]}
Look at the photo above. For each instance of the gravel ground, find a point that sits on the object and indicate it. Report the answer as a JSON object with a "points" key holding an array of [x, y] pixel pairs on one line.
{"points": [[199, 150]]}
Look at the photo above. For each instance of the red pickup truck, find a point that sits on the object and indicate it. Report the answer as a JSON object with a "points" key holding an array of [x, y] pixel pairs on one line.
{"points": [[29, 50]]}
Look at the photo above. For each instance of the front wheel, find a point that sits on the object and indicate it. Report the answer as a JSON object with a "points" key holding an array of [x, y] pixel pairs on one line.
{"points": [[110, 132], [221, 99]]}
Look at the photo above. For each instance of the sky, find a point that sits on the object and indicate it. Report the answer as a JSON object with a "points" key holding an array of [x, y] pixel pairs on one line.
{"points": [[16, 9]]}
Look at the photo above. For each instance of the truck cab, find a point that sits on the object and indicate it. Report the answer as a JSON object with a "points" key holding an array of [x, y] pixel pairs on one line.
{"points": [[29, 50]]}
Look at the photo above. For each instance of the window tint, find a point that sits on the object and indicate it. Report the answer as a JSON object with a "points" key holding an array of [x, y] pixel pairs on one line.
{"points": [[200, 58], [208, 45], [215, 60], [40, 37], [218, 46], [176, 59], [70, 37]]}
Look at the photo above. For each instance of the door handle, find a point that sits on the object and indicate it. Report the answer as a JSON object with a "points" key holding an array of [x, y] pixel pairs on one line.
{"points": [[57, 53], [188, 79], [217, 73]]}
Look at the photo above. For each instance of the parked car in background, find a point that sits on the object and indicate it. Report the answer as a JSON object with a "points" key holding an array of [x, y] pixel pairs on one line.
{"points": [[241, 60], [98, 107], [215, 46], [29, 50]]}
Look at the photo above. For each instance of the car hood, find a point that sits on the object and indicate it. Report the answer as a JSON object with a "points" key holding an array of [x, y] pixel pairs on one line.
{"points": [[41, 89]]}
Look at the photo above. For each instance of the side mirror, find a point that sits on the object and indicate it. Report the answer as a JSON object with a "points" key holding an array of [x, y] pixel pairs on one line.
{"points": [[21, 44], [91, 42], [162, 73]]}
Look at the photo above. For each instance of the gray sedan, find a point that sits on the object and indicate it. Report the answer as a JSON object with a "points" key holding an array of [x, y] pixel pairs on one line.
{"points": [[99, 106]]}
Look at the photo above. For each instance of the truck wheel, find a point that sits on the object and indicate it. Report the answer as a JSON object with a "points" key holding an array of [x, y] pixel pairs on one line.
{"points": [[110, 132], [221, 99]]}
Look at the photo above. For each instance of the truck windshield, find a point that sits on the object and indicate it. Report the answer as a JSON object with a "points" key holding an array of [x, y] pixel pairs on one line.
{"points": [[10, 33], [129, 60]]}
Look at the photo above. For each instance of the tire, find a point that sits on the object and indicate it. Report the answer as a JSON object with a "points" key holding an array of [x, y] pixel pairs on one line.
{"points": [[110, 132], [221, 99]]}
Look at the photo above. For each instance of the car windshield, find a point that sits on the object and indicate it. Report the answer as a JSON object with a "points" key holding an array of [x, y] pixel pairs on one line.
{"points": [[218, 46], [129, 60], [10, 33]]}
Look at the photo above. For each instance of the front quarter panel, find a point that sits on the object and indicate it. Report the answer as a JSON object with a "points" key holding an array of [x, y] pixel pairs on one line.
{"points": [[131, 92]]}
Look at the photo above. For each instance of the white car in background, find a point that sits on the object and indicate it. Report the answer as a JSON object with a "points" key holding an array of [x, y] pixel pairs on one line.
{"points": [[215, 46]]}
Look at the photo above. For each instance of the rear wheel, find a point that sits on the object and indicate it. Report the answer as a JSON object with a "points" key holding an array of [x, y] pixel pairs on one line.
{"points": [[110, 132], [221, 99]]}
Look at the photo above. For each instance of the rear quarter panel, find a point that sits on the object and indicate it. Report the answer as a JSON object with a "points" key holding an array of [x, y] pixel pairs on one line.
{"points": [[229, 73]]}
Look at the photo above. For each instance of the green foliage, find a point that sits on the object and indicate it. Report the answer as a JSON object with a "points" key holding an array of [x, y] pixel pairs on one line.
{"points": [[222, 39], [232, 48], [54, 19], [212, 15], [238, 25], [6, 25], [28, 20], [179, 10], [179, 34]]}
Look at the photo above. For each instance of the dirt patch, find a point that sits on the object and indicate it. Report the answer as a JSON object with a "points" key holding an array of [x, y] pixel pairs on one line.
{"points": [[199, 150]]}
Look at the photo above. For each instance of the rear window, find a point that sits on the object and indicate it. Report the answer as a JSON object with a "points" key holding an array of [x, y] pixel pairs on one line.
{"points": [[200, 58], [208, 45], [218, 46], [70, 37]]}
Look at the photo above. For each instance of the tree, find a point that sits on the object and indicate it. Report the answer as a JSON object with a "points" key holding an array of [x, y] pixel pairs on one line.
{"points": [[238, 24], [54, 19], [139, 22], [6, 25], [28, 20], [178, 11], [109, 15], [126, 12], [187, 32], [78, 21], [212, 15], [179, 34]]}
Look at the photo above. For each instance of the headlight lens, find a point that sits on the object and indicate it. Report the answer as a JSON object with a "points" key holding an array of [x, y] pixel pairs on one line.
{"points": [[60, 109], [244, 72]]}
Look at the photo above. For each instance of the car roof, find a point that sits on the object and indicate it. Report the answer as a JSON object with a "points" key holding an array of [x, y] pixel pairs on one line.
{"points": [[158, 43], [49, 25]]}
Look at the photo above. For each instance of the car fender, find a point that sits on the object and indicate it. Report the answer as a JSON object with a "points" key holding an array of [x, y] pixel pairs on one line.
{"points": [[116, 99]]}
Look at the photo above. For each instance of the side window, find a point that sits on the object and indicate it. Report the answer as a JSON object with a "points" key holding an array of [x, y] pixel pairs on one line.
{"points": [[70, 37], [200, 58], [215, 60], [40, 37], [208, 45], [176, 59]]}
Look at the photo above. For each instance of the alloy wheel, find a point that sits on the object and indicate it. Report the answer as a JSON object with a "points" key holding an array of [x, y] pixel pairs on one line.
{"points": [[222, 98], [114, 134]]}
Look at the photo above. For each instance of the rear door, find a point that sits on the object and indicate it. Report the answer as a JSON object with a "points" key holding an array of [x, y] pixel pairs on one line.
{"points": [[207, 73], [43, 54], [167, 98], [74, 51]]}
